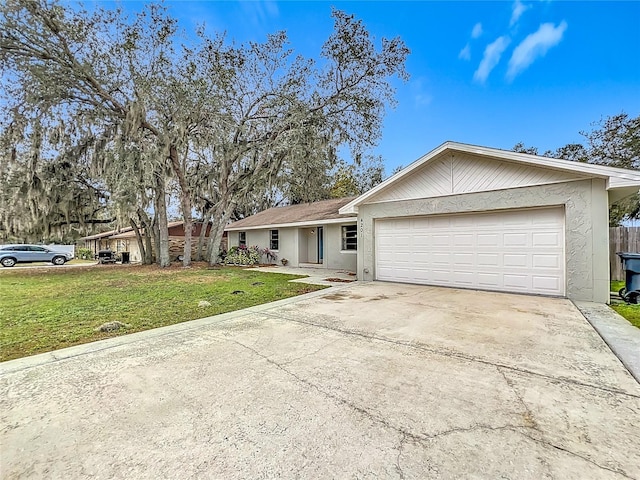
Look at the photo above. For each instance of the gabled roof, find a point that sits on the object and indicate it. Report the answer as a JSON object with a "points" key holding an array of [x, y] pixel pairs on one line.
{"points": [[324, 211], [621, 180]]}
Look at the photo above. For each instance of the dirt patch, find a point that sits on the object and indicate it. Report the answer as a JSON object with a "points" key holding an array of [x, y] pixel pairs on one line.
{"points": [[379, 297], [340, 280], [342, 296], [200, 280], [336, 296]]}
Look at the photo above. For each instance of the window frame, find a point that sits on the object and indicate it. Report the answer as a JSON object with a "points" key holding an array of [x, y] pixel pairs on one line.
{"points": [[274, 240], [242, 239], [349, 238]]}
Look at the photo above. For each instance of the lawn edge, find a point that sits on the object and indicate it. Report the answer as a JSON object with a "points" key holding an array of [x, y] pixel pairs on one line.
{"points": [[24, 363], [616, 331]]}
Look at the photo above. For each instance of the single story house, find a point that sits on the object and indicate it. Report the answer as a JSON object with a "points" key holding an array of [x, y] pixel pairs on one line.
{"points": [[463, 216], [306, 234], [124, 240], [104, 241]]}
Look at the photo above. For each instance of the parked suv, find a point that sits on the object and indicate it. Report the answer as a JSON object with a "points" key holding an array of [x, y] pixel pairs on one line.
{"points": [[12, 254]]}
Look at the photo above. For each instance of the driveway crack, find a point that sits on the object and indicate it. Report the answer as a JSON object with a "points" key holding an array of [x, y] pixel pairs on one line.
{"points": [[423, 438], [542, 441], [406, 435], [450, 354], [529, 419], [361, 410], [309, 354], [400, 447]]}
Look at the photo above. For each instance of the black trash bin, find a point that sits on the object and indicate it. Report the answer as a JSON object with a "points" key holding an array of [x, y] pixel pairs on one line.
{"points": [[631, 265], [125, 257]]}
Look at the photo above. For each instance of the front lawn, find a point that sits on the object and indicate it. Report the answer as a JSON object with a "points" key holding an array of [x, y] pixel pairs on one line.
{"points": [[47, 309]]}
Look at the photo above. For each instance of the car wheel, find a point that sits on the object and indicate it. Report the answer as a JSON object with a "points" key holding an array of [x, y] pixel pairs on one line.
{"points": [[58, 260], [8, 262]]}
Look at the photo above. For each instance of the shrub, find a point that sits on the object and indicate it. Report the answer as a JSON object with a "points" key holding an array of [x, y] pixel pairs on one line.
{"points": [[243, 256], [84, 254]]}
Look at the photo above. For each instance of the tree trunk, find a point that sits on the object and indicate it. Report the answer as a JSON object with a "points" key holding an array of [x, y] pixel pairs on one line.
{"points": [[134, 225], [185, 204], [219, 221], [149, 236], [202, 236], [162, 223], [155, 240]]}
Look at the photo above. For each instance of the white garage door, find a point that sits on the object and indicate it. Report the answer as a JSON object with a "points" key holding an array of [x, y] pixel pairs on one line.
{"points": [[510, 251]]}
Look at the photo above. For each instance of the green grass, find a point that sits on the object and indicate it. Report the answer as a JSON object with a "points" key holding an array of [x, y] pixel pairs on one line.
{"points": [[630, 312], [43, 310], [616, 285]]}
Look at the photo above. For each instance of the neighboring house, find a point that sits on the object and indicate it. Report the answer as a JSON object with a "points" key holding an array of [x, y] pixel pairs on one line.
{"points": [[306, 234], [481, 218], [104, 241], [124, 240]]}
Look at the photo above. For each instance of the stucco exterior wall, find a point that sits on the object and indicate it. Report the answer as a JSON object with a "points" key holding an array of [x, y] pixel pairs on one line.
{"points": [[586, 227], [334, 256], [288, 248], [298, 245]]}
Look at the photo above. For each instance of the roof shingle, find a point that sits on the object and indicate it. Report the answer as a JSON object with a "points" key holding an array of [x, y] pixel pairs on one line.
{"points": [[305, 212]]}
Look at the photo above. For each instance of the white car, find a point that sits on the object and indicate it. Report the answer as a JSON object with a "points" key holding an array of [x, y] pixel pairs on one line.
{"points": [[12, 254]]}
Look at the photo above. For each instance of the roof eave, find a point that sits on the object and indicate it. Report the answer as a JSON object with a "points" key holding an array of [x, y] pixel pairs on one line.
{"points": [[306, 223]]}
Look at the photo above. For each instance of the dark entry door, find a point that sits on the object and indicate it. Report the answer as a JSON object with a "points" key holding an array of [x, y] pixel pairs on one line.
{"points": [[320, 244]]}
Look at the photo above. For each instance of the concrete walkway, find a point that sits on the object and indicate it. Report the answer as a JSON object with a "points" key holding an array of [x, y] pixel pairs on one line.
{"points": [[315, 276], [365, 380], [622, 337]]}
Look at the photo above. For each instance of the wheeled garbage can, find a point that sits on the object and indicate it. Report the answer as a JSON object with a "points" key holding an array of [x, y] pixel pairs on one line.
{"points": [[631, 264]]}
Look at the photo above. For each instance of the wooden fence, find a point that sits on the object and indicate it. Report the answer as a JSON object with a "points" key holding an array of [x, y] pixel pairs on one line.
{"points": [[622, 239]]}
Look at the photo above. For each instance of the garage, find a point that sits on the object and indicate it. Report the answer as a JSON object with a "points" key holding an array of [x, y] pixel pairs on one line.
{"points": [[512, 251], [474, 217]]}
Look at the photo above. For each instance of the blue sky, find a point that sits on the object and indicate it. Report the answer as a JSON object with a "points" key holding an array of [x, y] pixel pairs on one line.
{"points": [[486, 73]]}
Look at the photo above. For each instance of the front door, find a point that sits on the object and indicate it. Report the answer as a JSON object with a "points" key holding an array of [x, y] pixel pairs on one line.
{"points": [[320, 244]]}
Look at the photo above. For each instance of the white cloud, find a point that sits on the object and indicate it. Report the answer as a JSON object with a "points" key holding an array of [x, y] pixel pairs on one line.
{"points": [[534, 46], [420, 92], [260, 12], [477, 30], [517, 10], [491, 58], [465, 53]]}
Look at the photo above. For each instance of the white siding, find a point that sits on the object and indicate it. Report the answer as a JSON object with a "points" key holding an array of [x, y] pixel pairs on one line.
{"points": [[465, 173]]}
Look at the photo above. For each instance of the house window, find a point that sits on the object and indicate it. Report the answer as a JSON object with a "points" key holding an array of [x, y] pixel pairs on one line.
{"points": [[242, 239], [349, 237], [274, 242]]}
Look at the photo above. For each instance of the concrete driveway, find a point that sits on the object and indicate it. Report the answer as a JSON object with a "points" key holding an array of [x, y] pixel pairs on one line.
{"points": [[369, 380]]}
